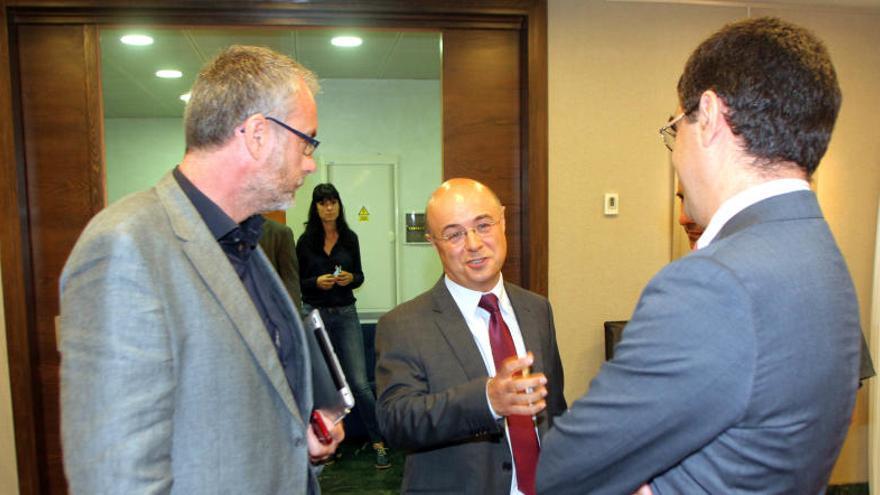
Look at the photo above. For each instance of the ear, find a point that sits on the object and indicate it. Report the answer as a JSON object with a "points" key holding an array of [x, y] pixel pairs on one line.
{"points": [[503, 222], [710, 117], [256, 135]]}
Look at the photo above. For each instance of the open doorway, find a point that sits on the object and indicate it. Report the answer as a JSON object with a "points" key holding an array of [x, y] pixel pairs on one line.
{"points": [[381, 97]]}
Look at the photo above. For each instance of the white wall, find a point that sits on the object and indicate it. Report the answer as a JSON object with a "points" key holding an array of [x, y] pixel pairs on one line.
{"points": [[8, 466], [360, 118], [355, 118], [613, 67]]}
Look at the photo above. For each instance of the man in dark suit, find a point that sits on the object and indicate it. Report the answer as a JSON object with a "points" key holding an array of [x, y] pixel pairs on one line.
{"points": [[737, 372], [278, 245], [453, 364]]}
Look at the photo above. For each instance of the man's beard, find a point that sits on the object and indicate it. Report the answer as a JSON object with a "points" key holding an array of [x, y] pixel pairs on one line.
{"points": [[268, 189]]}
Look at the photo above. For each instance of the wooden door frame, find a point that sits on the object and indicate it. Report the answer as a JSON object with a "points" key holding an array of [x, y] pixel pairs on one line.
{"points": [[527, 16]]}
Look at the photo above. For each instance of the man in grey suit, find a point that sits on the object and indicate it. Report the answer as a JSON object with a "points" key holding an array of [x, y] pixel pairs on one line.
{"points": [[453, 380], [185, 368], [737, 372]]}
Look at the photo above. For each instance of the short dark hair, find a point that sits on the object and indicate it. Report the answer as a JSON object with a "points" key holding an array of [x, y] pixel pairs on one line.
{"points": [[778, 83]]}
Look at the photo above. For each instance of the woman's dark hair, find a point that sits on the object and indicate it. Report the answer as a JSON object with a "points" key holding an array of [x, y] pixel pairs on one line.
{"points": [[314, 231]]}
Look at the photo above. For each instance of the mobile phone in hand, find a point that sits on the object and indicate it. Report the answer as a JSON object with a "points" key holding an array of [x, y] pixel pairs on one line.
{"points": [[320, 428]]}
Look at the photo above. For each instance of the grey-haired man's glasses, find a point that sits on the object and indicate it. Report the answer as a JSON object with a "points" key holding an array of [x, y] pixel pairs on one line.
{"points": [[311, 143]]}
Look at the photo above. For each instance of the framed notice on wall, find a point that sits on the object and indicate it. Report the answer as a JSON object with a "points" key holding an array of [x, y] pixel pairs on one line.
{"points": [[415, 228]]}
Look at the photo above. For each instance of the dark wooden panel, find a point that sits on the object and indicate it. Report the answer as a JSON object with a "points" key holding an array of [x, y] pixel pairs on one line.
{"points": [[279, 216], [535, 148], [16, 278], [481, 122], [65, 188]]}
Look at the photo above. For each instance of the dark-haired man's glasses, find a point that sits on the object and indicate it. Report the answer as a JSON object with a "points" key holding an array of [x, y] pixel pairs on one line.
{"points": [[669, 131], [311, 143]]}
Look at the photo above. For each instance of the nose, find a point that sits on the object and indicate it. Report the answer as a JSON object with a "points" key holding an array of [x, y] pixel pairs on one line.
{"points": [[472, 240], [683, 218], [309, 165]]}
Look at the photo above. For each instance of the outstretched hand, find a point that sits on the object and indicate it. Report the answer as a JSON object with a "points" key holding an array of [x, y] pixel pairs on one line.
{"points": [[512, 391]]}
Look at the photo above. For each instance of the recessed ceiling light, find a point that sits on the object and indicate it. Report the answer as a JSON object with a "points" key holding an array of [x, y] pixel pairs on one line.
{"points": [[346, 41], [185, 97], [137, 39], [169, 74]]}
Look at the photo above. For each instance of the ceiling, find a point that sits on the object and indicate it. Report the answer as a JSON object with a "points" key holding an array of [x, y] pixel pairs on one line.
{"points": [[131, 88]]}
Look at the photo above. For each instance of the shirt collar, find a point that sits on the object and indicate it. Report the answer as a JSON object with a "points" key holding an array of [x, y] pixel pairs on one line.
{"points": [[743, 200], [468, 300], [216, 219]]}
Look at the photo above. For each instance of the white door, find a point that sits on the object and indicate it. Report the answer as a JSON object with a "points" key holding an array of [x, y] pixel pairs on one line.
{"points": [[368, 192]]}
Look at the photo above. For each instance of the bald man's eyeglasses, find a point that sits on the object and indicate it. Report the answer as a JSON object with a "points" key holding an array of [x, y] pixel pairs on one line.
{"points": [[311, 143], [457, 236]]}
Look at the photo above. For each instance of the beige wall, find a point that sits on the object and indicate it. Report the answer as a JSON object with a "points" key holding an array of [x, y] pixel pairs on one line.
{"points": [[613, 67], [8, 470]]}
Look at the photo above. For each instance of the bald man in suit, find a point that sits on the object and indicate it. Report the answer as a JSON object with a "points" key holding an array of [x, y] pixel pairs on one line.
{"points": [[466, 412]]}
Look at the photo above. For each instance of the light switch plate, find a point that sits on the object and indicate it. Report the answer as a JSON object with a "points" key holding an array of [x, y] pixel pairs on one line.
{"points": [[612, 204]]}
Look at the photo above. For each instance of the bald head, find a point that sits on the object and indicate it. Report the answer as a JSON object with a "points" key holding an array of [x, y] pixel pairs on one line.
{"points": [[456, 193], [466, 225]]}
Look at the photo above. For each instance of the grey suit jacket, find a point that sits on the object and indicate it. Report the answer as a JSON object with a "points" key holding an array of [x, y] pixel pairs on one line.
{"points": [[169, 380], [431, 384], [737, 373]]}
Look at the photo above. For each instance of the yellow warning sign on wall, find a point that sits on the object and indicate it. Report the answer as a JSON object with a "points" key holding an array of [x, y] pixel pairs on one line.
{"points": [[363, 215]]}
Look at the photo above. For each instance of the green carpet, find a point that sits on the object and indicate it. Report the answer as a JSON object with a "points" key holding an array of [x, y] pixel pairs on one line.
{"points": [[354, 472]]}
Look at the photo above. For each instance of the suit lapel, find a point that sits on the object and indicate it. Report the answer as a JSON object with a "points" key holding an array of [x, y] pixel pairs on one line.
{"points": [[451, 323], [203, 251], [529, 325]]}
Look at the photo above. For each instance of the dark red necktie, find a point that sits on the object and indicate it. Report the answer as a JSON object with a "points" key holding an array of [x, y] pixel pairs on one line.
{"points": [[520, 428]]}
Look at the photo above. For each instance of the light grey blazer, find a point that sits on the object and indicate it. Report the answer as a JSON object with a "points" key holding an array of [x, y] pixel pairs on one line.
{"points": [[431, 387], [169, 380], [736, 374]]}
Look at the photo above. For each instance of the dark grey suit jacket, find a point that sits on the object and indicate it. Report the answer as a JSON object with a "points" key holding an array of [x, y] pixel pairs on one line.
{"points": [[431, 383], [736, 374]]}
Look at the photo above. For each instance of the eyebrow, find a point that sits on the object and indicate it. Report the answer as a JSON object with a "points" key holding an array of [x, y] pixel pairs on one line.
{"points": [[476, 220]]}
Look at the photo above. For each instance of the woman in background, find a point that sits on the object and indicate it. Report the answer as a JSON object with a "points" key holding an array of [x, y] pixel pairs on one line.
{"points": [[330, 268]]}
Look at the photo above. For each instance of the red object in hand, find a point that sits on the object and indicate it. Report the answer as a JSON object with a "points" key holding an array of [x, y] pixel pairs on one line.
{"points": [[320, 428]]}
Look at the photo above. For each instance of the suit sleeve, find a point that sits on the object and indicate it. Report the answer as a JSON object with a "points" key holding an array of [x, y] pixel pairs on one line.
{"points": [[556, 385], [117, 371], [681, 376], [413, 416], [287, 265]]}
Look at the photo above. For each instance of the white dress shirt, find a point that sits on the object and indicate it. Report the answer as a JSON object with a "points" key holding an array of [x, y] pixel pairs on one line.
{"points": [[477, 320], [743, 200]]}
